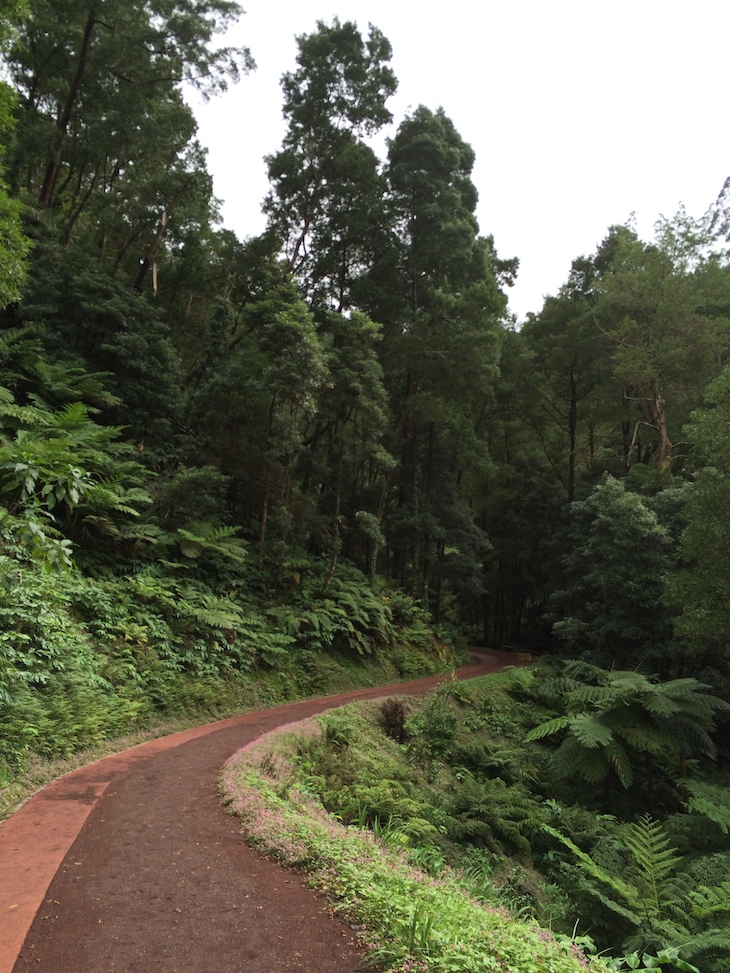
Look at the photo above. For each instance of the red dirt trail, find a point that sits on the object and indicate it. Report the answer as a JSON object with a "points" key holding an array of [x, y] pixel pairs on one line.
{"points": [[131, 864]]}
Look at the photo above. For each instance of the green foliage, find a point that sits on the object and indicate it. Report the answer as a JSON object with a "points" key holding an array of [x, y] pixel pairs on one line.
{"points": [[711, 801], [408, 916], [650, 893], [433, 730], [64, 469], [325, 204], [699, 589], [14, 245], [614, 716], [611, 604]]}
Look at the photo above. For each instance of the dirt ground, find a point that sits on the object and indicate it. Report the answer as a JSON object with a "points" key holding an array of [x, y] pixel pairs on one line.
{"points": [[131, 865]]}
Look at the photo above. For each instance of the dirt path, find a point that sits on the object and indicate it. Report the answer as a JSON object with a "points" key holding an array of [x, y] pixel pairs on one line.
{"points": [[131, 865]]}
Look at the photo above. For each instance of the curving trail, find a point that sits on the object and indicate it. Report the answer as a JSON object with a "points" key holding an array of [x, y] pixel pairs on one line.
{"points": [[131, 865]]}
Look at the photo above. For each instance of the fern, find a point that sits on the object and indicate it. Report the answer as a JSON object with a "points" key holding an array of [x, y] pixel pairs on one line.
{"points": [[549, 728], [655, 861], [711, 801], [202, 538], [589, 731], [706, 902], [625, 902]]}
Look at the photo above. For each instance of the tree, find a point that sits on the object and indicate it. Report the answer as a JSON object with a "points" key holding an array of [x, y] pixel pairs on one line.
{"points": [[437, 288], [611, 605], [664, 307], [326, 197], [700, 589], [345, 461], [570, 355], [434, 199], [105, 140], [14, 245]]}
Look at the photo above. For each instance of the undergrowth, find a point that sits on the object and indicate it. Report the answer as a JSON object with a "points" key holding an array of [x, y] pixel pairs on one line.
{"points": [[86, 658], [192, 702], [455, 786], [414, 922]]}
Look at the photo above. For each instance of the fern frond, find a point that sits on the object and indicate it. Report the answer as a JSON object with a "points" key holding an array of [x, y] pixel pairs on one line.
{"points": [[590, 731], [567, 759], [627, 683], [647, 738], [680, 687], [660, 705], [620, 763], [593, 768], [710, 800], [706, 902], [581, 695], [622, 889], [713, 941], [655, 858], [548, 728]]}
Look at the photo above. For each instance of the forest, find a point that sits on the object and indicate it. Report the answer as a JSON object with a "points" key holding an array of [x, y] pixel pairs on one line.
{"points": [[234, 472]]}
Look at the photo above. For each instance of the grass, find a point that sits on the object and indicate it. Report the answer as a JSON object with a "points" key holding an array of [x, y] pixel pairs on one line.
{"points": [[413, 922]]}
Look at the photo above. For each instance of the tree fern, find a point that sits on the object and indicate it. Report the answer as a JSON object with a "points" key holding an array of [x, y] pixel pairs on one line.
{"points": [[616, 715]]}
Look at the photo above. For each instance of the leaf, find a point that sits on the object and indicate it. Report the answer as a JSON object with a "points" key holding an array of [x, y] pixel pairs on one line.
{"points": [[548, 728], [589, 731]]}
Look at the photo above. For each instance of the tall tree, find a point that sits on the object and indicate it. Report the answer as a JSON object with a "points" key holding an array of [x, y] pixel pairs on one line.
{"points": [[14, 245], [326, 197], [442, 313], [664, 308], [103, 128], [570, 356], [611, 606]]}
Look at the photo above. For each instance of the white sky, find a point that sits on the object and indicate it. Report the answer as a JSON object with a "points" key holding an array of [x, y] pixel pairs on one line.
{"points": [[579, 111]]}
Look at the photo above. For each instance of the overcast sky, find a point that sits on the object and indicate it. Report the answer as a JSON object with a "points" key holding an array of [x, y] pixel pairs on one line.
{"points": [[580, 112]]}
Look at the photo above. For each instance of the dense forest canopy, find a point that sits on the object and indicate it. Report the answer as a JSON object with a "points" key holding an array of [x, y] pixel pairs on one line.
{"points": [[346, 389], [221, 454]]}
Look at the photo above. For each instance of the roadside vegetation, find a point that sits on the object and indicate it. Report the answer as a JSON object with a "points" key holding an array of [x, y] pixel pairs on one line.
{"points": [[90, 660], [452, 829]]}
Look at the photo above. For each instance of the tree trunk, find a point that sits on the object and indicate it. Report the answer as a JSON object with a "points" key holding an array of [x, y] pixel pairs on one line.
{"points": [[45, 197], [659, 419], [147, 261], [264, 516], [336, 543], [572, 428]]}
